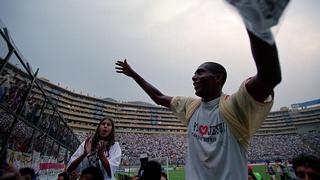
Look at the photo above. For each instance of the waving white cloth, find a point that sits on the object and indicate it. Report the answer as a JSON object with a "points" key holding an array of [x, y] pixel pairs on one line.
{"points": [[260, 15]]}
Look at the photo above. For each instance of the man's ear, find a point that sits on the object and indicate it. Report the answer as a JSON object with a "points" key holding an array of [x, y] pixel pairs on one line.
{"points": [[219, 77]]}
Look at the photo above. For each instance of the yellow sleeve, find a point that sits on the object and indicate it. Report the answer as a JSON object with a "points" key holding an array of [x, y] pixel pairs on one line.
{"points": [[183, 107], [243, 114]]}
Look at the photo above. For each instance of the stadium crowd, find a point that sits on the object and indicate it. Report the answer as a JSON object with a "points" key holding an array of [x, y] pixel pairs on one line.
{"points": [[284, 146], [158, 146], [313, 139], [21, 136], [12, 92], [269, 147], [155, 145]]}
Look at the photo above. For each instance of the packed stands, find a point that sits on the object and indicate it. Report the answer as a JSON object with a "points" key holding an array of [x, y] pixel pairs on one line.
{"points": [[33, 133]]}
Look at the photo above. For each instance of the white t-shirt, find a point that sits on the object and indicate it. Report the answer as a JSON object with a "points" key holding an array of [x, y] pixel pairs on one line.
{"points": [[114, 160], [213, 152], [219, 132]]}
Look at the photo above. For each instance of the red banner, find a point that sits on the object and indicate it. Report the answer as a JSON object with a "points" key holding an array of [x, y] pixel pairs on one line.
{"points": [[44, 166]]}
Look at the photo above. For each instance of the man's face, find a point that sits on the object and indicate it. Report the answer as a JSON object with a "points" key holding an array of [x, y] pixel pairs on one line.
{"points": [[205, 83], [306, 173]]}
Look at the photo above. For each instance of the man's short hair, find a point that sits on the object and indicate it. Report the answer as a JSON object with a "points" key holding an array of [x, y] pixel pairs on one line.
{"points": [[216, 68], [94, 171], [27, 171], [65, 175]]}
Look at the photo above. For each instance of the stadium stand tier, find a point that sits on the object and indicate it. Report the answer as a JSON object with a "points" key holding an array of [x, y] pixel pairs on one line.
{"points": [[33, 132], [146, 128]]}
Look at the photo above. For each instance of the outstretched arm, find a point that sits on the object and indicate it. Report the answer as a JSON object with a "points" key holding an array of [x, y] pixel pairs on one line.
{"points": [[159, 98], [268, 69]]}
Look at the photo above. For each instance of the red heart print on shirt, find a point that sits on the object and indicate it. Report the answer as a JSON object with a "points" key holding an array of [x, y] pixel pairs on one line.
{"points": [[203, 129]]}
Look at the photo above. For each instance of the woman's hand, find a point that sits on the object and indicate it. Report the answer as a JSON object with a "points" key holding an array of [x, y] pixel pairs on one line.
{"points": [[103, 155], [101, 147], [87, 146]]}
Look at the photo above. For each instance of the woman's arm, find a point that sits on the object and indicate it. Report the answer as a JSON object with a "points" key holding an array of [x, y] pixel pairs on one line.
{"points": [[86, 150], [74, 164]]}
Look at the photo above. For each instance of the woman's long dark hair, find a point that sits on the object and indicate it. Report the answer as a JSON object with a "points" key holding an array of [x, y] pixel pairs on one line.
{"points": [[109, 139]]}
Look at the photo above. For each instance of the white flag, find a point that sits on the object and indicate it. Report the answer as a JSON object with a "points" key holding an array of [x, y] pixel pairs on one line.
{"points": [[260, 15]]}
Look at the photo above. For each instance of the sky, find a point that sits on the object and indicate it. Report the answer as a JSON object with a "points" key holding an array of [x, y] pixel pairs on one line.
{"points": [[76, 42]]}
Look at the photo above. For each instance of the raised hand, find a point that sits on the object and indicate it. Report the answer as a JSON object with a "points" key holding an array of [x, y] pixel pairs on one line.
{"points": [[159, 98], [124, 68], [87, 146], [101, 150]]}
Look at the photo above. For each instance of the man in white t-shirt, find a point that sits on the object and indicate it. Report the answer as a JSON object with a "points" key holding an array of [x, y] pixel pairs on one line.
{"points": [[220, 126]]}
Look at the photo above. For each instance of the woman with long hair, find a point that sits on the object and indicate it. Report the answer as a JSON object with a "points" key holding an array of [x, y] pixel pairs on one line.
{"points": [[100, 151]]}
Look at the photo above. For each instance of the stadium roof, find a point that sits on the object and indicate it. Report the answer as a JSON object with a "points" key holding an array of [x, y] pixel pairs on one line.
{"points": [[305, 104]]}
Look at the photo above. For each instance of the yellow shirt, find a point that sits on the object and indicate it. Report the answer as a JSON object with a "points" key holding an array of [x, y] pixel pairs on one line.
{"points": [[242, 113]]}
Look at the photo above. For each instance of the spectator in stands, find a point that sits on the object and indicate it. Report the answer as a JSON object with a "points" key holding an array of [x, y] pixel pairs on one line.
{"points": [[18, 93], [5, 86], [291, 172], [26, 111], [100, 151], [220, 126], [91, 173], [279, 169], [64, 176], [270, 170], [27, 173], [282, 169], [307, 167], [36, 110]]}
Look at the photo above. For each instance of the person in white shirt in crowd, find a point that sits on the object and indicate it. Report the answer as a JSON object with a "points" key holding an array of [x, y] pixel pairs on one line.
{"points": [[100, 151]]}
